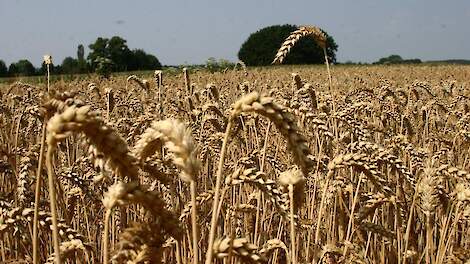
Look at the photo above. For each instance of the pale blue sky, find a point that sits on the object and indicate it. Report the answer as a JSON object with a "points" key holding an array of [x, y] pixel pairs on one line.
{"points": [[190, 31]]}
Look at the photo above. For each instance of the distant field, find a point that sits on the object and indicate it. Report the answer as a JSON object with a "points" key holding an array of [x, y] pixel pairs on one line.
{"points": [[174, 71], [374, 169]]}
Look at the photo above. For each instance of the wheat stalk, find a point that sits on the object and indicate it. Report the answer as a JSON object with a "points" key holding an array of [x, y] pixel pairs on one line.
{"points": [[125, 193], [293, 180]]}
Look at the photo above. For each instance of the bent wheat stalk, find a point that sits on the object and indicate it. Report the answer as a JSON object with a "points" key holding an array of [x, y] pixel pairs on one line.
{"points": [[105, 138], [177, 138], [304, 31]]}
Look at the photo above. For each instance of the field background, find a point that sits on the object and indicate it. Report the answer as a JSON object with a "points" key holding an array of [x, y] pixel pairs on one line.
{"points": [[373, 169]]}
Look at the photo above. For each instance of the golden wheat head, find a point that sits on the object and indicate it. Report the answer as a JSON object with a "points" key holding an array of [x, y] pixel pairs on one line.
{"points": [[295, 36]]}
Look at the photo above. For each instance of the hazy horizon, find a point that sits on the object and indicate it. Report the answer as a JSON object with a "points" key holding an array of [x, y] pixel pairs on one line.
{"points": [[189, 32]]}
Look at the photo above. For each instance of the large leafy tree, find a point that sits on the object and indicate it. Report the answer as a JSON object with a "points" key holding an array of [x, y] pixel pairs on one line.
{"points": [[118, 53], [99, 49], [261, 47], [392, 59], [22, 67], [3, 69], [144, 61], [70, 65], [396, 59]]}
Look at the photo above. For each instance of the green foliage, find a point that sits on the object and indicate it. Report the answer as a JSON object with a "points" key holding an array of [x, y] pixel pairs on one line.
{"points": [[144, 61], [452, 61], [122, 58], [396, 59], [213, 65], [104, 66], [390, 59], [261, 47], [21, 68], [119, 53], [99, 49], [81, 62], [70, 66], [3, 69], [80, 53]]}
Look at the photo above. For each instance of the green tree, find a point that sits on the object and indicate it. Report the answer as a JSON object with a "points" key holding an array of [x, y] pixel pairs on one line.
{"points": [[98, 49], [82, 66], [21, 68], [104, 67], [3, 69], [119, 53], [143, 61], [80, 53], [70, 66], [122, 58], [25, 67], [213, 65], [397, 59], [261, 47], [392, 59], [12, 69]]}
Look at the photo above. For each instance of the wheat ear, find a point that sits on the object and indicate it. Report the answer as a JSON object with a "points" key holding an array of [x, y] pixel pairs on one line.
{"points": [[179, 141], [144, 84], [268, 187], [295, 36], [126, 193], [284, 121], [273, 244], [319, 37], [239, 247], [105, 138]]}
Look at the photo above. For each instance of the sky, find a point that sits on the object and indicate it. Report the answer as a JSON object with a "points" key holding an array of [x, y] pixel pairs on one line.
{"points": [[191, 31]]}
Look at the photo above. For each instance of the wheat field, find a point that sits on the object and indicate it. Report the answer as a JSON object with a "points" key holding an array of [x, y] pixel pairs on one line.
{"points": [[249, 165]]}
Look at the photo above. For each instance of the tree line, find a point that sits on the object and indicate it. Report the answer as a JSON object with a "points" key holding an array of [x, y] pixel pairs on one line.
{"points": [[106, 55], [397, 59], [113, 55]]}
